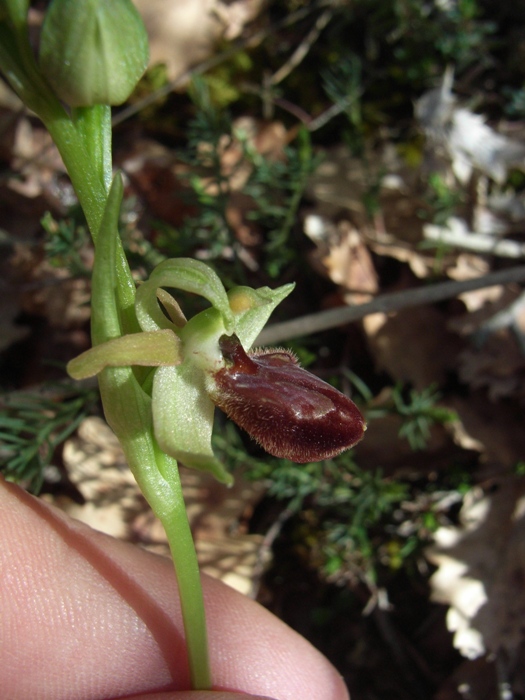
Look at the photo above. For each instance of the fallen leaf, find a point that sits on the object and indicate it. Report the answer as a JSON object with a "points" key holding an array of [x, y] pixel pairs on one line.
{"points": [[481, 573], [342, 255], [115, 505], [183, 33], [463, 139], [413, 345]]}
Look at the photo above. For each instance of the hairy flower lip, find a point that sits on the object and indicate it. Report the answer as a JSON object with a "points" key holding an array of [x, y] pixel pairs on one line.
{"points": [[290, 412]]}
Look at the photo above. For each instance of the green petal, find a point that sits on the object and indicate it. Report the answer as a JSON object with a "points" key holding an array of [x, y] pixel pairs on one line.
{"points": [[146, 349], [183, 419], [200, 338], [252, 308], [188, 275]]}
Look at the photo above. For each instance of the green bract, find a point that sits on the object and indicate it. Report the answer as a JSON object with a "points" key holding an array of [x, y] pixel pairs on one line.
{"points": [[181, 352], [93, 51]]}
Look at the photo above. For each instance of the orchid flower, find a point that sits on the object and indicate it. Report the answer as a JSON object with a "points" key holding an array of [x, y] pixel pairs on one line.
{"points": [[204, 362], [184, 353]]}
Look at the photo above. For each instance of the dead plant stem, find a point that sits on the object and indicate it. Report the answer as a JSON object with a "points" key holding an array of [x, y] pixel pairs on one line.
{"points": [[332, 318]]}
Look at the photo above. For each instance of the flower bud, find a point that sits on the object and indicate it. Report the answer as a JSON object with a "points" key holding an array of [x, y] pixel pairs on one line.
{"points": [[291, 413], [93, 51]]}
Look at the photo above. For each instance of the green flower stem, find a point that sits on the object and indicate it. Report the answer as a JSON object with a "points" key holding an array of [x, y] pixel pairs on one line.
{"points": [[158, 478], [87, 142], [128, 412], [174, 518], [94, 123]]}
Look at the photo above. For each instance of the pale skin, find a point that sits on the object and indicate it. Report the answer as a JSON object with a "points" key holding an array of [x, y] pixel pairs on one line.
{"points": [[86, 617]]}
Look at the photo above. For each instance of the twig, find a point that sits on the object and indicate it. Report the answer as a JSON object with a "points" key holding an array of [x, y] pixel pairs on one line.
{"points": [[323, 118], [303, 48], [460, 237], [264, 552], [323, 320]]}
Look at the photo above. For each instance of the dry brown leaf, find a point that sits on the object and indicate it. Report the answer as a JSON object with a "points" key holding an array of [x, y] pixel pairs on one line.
{"points": [[96, 465], [52, 292], [494, 359], [115, 505], [159, 179], [183, 33], [342, 184], [231, 559], [413, 345], [496, 425], [498, 366], [36, 162], [342, 256], [339, 184], [468, 266], [480, 575]]}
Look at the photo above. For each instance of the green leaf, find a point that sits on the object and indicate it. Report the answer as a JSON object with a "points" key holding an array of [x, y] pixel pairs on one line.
{"points": [[105, 319]]}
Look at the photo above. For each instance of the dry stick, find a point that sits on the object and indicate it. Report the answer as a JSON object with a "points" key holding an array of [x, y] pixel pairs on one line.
{"points": [[471, 240], [303, 48], [317, 122], [313, 323]]}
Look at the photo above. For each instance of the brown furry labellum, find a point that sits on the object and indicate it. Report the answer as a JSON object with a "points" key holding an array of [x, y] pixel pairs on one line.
{"points": [[291, 413]]}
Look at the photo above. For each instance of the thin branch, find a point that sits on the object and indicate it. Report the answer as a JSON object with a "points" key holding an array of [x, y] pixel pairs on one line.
{"points": [[304, 47], [264, 553], [455, 235], [317, 122], [323, 320]]}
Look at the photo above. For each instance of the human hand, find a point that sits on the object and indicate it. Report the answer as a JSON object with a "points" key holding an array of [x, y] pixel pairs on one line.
{"points": [[86, 617]]}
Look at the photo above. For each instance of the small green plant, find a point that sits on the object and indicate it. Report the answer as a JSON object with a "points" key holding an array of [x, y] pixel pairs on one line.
{"points": [[33, 425], [274, 188], [65, 240], [420, 412], [350, 523], [277, 186]]}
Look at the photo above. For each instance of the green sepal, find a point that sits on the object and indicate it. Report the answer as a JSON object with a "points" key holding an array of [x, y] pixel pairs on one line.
{"points": [[93, 51], [183, 418], [126, 406]]}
